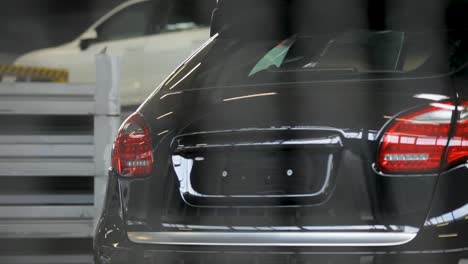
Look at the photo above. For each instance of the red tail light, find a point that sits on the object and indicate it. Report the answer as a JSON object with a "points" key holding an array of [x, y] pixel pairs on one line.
{"points": [[458, 147], [416, 142], [132, 154]]}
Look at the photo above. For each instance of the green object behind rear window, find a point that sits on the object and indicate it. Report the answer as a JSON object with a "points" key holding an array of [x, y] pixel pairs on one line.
{"points": [[274, 57]]}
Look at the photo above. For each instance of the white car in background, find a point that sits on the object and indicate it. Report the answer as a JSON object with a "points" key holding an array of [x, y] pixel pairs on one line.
{"points": [[149, 49]]}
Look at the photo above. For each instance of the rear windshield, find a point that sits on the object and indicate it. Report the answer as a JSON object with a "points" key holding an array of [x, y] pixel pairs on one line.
{"points": [[288, 48]]}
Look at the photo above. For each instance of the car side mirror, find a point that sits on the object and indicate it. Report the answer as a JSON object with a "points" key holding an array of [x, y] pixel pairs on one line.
{"points": [[87, 38]]}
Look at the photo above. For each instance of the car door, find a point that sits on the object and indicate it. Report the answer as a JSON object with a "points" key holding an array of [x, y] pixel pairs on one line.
{"points": [[124, 35]]}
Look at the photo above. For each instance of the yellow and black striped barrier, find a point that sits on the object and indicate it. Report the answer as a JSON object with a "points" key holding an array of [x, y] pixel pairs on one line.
{"points": [[20, 73]]}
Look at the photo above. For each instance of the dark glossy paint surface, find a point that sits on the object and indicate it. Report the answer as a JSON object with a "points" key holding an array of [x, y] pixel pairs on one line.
{"points": [[435, 242], [344, 121], [290, 155], [341, 121], [359, 199]]}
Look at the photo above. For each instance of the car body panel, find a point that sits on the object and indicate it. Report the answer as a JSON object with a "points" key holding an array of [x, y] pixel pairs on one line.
{"points": [[358, 134], [267, 162]]}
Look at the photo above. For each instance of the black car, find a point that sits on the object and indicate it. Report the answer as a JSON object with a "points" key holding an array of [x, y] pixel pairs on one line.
{"points": [[303, 131]]}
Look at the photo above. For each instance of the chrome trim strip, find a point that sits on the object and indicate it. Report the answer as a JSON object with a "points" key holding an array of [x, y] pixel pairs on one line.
{"points": [[332, 141], [374, 168], [267, 129], [306, 239]]}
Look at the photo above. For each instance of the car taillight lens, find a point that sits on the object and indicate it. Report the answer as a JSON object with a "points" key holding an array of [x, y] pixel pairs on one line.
{"points": [[457, 152], [132, 154], [415, 143]]}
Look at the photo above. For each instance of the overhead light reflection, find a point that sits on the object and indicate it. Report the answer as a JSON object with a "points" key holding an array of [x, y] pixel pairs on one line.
{"points": [[162, 133], [166, 114], [185, 77], [381, 228], [432, 97], [457, 214], [448, 235], [168, 94], [444, 106], [248, 96], [176, 73]]}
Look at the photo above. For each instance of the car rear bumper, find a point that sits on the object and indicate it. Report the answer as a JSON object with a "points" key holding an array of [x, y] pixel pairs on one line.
{"points": [[219, 255], [273, 239], [116, 246], [113, 245], [434, 243]]}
